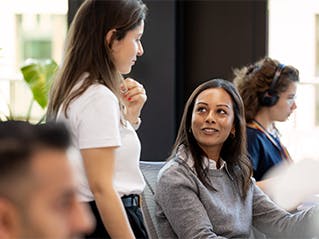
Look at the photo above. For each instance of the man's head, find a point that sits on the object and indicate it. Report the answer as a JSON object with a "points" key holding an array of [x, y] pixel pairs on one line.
{"points": [[37, 192]]}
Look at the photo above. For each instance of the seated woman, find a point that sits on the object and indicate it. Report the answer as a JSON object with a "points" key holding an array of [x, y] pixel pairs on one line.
{"points": [[268, 90], [206, 190]]}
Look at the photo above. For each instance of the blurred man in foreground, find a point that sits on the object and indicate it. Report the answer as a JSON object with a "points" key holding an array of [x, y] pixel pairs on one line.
{"points": [[37, 193]]}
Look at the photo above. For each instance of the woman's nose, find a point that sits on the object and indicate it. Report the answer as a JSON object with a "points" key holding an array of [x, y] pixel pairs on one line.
{"points": [[140, 50], [294, 105], [210, 117]]}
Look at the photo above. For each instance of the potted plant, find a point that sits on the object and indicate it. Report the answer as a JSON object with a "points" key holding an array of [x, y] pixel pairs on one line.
{"points": [[38, 75]]}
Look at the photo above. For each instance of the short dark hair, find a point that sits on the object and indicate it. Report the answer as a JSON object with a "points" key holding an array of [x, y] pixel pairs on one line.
{"points": [[19, 140]]}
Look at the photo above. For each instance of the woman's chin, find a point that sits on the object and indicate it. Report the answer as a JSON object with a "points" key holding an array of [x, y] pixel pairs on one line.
{"points": [[125, 70]]}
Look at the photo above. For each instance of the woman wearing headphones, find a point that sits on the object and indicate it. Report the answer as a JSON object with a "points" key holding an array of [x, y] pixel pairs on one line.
{"points": [[268, 90]]}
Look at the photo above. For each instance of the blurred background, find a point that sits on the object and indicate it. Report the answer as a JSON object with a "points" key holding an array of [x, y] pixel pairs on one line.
{"points": [[185, 43]]}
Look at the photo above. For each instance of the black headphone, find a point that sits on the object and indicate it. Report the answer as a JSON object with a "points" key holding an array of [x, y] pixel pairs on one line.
{"points": [[270, 97]]}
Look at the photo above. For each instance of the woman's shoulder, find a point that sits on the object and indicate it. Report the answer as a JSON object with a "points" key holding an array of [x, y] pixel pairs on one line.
{"points": [[95, 89], [254, 134], [95, 93], [98, 90], [95, 96], [175, 171], [169, 167]]}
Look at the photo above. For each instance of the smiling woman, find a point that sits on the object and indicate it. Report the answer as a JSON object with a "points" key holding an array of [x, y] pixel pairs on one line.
{"points": [[207, 179], [212, 120]]}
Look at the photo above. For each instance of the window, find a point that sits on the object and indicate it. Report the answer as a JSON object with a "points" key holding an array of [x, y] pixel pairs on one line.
{"points": [[295, 41], [28, 29], [317, 45], [317, 70], [317, 104]]}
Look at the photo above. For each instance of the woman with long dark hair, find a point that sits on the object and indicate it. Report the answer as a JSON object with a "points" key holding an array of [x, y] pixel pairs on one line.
{"points": [[206, 190], [103, 109]]}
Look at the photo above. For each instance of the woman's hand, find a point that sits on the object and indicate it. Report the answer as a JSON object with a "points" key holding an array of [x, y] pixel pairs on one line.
{"points": [[134, 96]]}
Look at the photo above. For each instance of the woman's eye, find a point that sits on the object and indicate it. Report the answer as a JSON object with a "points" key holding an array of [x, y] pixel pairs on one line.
{"points": [[221, 111], [64, 205], [293, 97], [201, 109]]}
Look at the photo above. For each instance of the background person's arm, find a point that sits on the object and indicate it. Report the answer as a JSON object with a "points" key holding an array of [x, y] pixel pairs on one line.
{"points": [[274, 221], [263, 184], [99, 167]]}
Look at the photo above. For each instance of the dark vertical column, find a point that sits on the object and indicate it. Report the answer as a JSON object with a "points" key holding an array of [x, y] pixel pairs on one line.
{"points": [[73, 7], [260, 29], [156, 70], [181, 33], [220, 36]]}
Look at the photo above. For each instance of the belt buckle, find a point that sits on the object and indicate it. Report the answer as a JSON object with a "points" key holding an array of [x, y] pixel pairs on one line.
{"points": [[135, 200], [131, 200]]}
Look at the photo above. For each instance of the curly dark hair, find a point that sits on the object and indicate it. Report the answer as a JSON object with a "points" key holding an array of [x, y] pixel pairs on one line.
{"points": [[254, 80]]}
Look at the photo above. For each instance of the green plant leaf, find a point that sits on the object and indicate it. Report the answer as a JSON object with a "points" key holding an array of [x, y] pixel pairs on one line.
{"points": [[38, 75]]}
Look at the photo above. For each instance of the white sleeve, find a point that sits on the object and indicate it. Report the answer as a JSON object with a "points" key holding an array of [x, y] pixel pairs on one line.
{"points": [[98, 119]]}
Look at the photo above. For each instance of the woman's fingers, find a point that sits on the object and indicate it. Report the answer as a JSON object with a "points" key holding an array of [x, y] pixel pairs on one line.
{"points": [[132, 90]]}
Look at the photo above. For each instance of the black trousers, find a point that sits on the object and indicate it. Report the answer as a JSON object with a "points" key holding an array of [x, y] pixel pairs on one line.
{"points": [[135, 218]]}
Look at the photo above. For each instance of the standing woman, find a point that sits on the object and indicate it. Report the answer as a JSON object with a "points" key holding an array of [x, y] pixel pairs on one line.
{"points": [[268, 90], [102, 110]]}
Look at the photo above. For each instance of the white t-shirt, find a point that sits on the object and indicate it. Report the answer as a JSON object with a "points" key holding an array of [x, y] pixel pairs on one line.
{"points": [[94, 120]]}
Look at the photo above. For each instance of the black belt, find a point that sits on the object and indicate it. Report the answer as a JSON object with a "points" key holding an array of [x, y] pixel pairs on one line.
{"points": [[132, 200]]}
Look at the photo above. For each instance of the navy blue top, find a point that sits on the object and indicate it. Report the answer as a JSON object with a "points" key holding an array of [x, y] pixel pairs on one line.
{"points": [[262, 152]]}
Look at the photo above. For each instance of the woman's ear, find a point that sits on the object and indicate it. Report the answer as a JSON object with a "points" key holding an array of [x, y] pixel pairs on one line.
{"points": [[110, 35], [233, 132]]}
